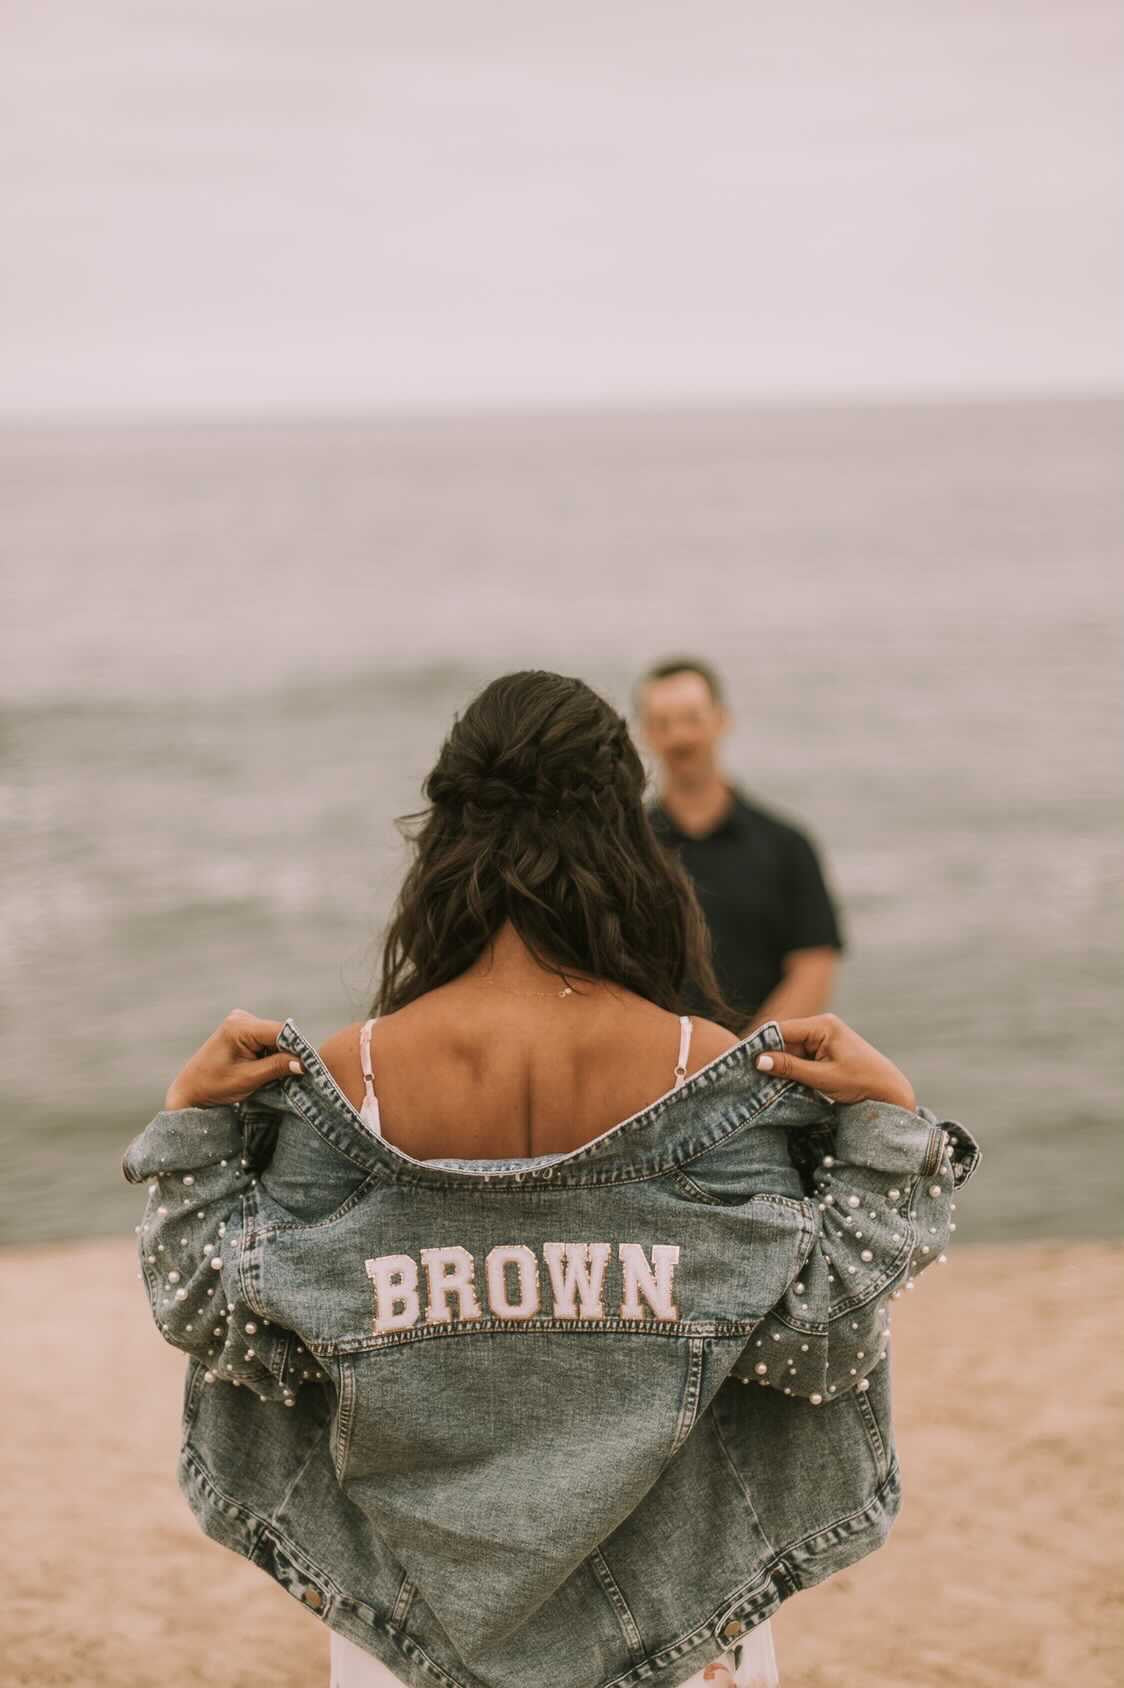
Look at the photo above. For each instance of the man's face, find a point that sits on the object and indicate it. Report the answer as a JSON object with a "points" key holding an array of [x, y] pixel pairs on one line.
{"points": [[682, 724]]}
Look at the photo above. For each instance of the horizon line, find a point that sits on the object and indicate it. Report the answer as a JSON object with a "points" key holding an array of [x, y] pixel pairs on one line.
{"points": [[290, 414]]}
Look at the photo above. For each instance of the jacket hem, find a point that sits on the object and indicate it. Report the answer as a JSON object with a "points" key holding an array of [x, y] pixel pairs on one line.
{"points": [[832, 1548]]}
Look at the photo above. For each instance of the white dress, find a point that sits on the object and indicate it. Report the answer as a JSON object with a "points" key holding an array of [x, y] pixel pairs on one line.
{"points": [[750, 1663]]}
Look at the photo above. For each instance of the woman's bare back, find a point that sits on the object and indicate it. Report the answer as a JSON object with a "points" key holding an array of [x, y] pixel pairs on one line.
{"points": [[471, 1070]]}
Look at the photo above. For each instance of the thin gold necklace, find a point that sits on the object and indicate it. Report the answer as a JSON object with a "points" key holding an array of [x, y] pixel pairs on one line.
{"points": [[567, 990]]}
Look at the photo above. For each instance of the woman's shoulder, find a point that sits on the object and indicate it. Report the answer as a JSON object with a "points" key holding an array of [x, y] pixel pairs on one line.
{"points": [[340, 1054], [708, 1041]]}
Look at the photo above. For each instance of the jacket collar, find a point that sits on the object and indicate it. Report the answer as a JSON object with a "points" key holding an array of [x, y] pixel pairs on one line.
{"points": [[720, 1097]]}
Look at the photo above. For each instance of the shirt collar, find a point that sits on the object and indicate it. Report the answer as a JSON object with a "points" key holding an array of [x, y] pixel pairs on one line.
{"points": [[731, 821]]}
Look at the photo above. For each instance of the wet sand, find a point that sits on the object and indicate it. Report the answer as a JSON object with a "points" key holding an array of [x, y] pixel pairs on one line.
{"points": [[1003, 1569]]}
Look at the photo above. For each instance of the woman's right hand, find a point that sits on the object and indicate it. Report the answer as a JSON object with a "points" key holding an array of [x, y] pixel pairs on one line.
{"points": [[826, 1055]]}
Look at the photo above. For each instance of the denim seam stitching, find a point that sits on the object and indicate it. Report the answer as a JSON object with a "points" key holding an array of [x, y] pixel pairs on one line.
{"points": [[403, 1601], [622, 1611], [688, 1410], [678, 1330]]}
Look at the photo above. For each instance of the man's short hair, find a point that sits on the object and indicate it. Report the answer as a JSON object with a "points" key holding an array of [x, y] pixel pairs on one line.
{"points": [[681, 665]]}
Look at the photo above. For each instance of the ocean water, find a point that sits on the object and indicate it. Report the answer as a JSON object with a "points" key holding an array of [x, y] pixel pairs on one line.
{"points": [[231, 652]]}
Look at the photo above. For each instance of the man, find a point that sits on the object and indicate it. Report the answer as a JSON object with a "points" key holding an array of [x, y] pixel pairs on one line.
{"points": [[774, 926]]}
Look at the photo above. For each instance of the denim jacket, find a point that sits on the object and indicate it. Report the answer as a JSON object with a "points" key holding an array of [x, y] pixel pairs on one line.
{"points": [[575, 1422]]}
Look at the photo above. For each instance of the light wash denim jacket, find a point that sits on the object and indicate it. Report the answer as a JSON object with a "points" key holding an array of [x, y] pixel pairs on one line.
{"points": [[572, 1423]]}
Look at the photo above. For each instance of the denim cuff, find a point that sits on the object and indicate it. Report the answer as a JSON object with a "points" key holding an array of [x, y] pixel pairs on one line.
{"points": [[891, 1139]]}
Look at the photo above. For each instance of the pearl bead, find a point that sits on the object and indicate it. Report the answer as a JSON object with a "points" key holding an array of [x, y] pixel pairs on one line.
{"points": [[863, 1385], [893, 1194], [854, 1371], [250, 1328], [799, 1289], [776, 1336], [803, 1347], [852, 1201], [181, 1295], [925, 1249], [249, 1354], [188, 1179], [828, 1160], [208, 1248], [935, 1190], [866, 1255], [829, 1201], [217, 1331], [861, 1355], [815, 1399], [208, 1377], [162, 1211], [173, 1277], [760, 1368], [216, 1264]]}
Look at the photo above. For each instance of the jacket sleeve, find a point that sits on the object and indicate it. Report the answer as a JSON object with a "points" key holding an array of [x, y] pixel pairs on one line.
{"points": [[884, 1187], [201, 1168]]}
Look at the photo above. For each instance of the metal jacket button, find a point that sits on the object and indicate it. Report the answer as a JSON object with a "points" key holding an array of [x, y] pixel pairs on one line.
{"points": [[312, 1597], [733, 1629]]}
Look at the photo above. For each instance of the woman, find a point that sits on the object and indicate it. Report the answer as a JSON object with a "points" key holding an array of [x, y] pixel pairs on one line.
{"points": [[513, 1460]]}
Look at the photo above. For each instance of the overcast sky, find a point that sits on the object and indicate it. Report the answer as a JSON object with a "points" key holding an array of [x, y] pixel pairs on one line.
{"points": [[216, 206]]}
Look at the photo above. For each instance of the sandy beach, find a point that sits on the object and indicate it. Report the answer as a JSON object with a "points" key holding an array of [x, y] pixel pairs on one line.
{"points": [[1003, 1568]]}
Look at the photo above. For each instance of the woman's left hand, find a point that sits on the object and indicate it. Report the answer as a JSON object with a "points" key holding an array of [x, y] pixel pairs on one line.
{"points": [[232, 1064]]}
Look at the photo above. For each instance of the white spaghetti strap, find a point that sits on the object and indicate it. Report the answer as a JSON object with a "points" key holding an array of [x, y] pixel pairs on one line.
{"points": [[365, 1048], [370, 1109], [685, 1029]]}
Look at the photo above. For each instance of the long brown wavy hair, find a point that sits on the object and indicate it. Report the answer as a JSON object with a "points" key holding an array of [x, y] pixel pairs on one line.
{"points": [[536, 815]]}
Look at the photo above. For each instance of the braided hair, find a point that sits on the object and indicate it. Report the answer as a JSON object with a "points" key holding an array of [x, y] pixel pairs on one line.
{"points": [[536, 815]]}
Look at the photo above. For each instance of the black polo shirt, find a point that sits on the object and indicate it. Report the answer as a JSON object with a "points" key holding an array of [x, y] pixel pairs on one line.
{"points": [[762, 890]]}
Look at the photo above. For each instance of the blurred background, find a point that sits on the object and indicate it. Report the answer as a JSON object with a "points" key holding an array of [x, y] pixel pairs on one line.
{"points": [[353, 355]]}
